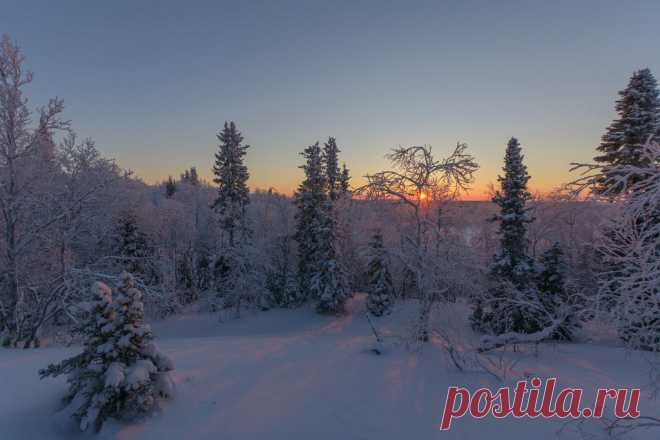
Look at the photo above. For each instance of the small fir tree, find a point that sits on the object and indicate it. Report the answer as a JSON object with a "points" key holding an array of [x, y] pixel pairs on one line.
{"points": [[88, 398], [380, 288], [120, 373], [553, 291], [131, 243], [140, 372]]}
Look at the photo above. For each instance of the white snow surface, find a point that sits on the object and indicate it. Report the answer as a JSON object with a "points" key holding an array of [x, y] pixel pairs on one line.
{"points": [[292, 374]]}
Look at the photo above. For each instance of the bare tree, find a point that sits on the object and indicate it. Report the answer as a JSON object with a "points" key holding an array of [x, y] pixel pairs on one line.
{"points": [[420, 182], [23, 151]]}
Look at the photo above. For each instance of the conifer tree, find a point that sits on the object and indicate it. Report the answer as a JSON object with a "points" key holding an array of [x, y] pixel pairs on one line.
{"points": [[231, 176], [170, 187], [553, 291], [193, 177], [638, 121], [309, 200], [120, 373], [87, 395], [380, 289], [512, 269], [140, 372], [280, 279], [512, 262], [131, 243], [329, 283], [319, 273], [333, 174], [344, 180]]}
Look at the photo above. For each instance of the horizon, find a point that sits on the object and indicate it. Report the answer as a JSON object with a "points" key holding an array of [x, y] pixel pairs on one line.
{"points": [[158, 80]]}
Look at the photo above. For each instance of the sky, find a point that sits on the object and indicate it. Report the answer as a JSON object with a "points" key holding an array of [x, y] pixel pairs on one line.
{"points": [[152, 82]]}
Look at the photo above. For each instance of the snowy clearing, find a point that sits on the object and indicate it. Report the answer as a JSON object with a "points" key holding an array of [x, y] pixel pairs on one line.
{"points": [[292, 374]]}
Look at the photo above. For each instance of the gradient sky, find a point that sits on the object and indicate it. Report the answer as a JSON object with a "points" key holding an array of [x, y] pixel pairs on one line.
{"points": [[153, 81]]}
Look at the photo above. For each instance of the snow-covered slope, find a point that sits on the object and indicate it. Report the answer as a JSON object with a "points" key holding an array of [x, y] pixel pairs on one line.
{"points": [[291, 374]]}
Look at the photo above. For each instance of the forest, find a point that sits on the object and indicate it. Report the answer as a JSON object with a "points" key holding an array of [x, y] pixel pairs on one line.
{"points": [[530, 268]]}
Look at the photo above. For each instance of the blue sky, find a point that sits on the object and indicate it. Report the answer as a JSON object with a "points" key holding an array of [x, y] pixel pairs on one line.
{"points": [[153, 81]]}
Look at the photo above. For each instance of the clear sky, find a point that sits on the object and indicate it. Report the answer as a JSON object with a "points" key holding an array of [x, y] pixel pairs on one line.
{"points": [[153, 81]]}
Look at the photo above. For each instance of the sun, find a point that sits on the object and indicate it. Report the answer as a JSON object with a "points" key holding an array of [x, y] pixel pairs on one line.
{"points": [[422, 196]]}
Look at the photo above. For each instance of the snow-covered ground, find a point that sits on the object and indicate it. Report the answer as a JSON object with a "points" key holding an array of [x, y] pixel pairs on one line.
{"points": [[292, 374]]}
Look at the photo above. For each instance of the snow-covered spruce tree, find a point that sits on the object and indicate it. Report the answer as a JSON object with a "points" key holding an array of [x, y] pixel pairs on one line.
{"points": [[120, 373], [309, 200], [239, 279], [512, 267], [280, 279], [140, 372], [380, 289], [553, 291], [88, 398], [623, 143], [319, 274], [131, 243], [231, 176]]}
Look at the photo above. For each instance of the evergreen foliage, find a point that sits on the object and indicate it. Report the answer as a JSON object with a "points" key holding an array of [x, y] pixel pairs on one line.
{"points": [[380, 287], [553, 290], [170, 187], [132, 244], [622, 144], [231, 176], [512, 269], [120, 373], [319, 274]]}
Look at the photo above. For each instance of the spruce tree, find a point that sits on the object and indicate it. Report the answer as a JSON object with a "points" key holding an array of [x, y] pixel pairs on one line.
{"points": [[140, 373], [88, 397], [380, 289], [231, 176], [512, 268], [344, 180], [333, 174], [193, 177], [329, 283], [638, 121], [309, 200], [512, 262], [170, 187], [280, 279], [120, 373], [553, 291], [131, 243], [319, 273]]}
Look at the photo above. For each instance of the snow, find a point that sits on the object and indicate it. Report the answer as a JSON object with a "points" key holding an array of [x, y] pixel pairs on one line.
{"points": [[293, 374]]}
